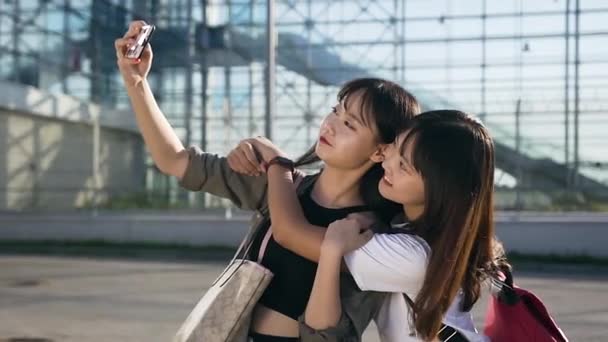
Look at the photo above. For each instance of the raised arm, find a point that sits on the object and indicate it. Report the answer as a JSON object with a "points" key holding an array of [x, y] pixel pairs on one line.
{"points": [[197, 170], [290, 228], [166, 149]]}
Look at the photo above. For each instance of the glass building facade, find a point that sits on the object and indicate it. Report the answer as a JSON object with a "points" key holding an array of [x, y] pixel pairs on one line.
{"points": [[535, 72]]}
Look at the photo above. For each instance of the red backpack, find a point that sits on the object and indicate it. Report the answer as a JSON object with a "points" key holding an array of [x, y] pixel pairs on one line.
{"points": [[517, 315]]}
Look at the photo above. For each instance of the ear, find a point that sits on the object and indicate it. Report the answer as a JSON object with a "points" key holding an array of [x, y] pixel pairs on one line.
{"points": [[379, 154]]}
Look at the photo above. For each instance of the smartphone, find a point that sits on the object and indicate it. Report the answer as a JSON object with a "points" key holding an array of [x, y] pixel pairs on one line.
{"points": [[142, 39]]}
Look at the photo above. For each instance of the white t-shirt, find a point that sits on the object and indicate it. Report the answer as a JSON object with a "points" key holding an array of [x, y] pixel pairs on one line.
{"points": [[397, 263]]}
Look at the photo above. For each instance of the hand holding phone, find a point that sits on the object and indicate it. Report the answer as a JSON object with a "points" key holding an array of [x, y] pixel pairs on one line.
{"points": [[135, 51]]}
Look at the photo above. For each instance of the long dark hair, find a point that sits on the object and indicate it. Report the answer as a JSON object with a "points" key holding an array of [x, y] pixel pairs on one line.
{"points": [[454, 153], [388, 108]]}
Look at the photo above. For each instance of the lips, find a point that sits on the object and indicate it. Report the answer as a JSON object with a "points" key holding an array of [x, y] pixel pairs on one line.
{"points": [[324, 141]]}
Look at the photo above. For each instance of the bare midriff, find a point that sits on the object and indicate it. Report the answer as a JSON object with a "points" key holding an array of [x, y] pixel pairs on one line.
{"points": [[270, 322]]}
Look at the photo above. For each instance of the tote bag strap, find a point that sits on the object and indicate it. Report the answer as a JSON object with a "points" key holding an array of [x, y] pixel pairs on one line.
{"points": [[248, 241], [269, 231]]}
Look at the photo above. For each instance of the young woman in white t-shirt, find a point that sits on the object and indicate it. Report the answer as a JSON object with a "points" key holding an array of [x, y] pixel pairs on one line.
{"points": [[442, 171]]}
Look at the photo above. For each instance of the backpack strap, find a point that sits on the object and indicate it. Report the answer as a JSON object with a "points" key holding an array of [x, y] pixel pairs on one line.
{"points": [[506, 291]]}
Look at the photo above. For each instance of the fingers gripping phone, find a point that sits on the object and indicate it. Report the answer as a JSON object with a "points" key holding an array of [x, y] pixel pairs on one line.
{"points": [[135, 51]]}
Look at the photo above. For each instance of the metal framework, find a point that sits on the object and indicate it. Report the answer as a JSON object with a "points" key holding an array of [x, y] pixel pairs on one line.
{"points": [[535, 73]]}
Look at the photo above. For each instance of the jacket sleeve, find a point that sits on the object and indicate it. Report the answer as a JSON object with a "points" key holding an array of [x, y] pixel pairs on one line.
{"points": [[342, 332], [211, 173]]}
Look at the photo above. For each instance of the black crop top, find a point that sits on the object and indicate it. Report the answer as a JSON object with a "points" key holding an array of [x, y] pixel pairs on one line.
{"points": [[294, 275]]}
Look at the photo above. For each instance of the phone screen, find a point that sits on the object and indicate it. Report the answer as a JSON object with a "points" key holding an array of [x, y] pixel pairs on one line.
{"points": [[142, 39]]}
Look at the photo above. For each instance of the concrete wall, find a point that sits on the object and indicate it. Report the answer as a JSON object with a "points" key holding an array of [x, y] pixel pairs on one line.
{"points": [[186, 229], [530, 233], [47, 145], [554, 233]]}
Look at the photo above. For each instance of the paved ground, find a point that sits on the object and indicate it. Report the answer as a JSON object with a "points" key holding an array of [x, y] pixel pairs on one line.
{"points": [[77, 299]]}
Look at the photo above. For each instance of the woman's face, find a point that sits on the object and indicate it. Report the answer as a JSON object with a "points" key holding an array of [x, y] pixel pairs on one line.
{"points": [[345, 142], [401, 182]]}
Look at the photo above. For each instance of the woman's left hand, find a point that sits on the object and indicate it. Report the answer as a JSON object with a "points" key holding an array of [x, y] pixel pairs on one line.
{"points": [[346, 235], [249, 155], [267, 148]]}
